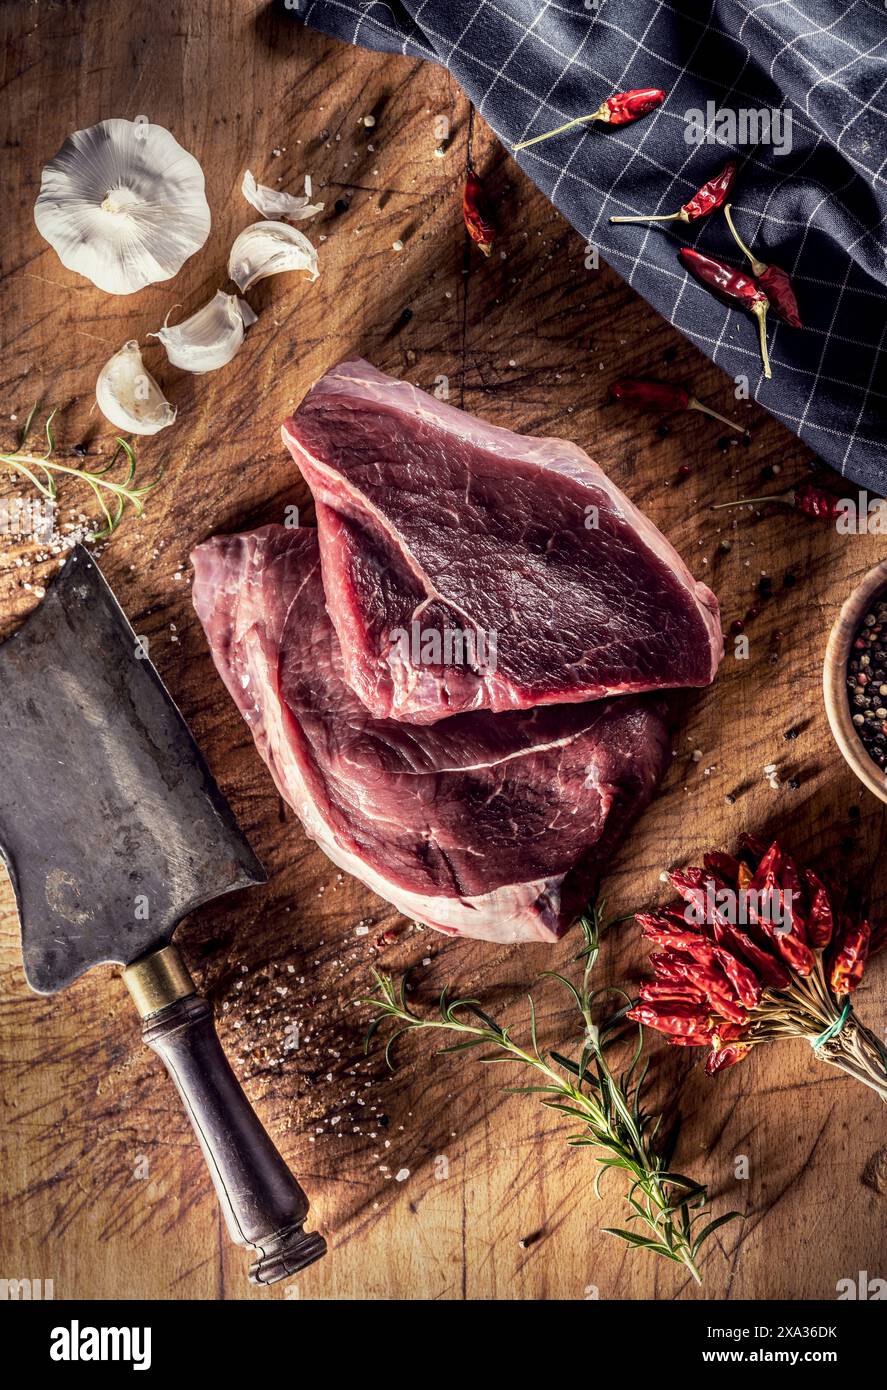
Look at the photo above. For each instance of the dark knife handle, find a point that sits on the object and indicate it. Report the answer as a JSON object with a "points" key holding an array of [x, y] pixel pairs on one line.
{"points": [[264, 1206]]}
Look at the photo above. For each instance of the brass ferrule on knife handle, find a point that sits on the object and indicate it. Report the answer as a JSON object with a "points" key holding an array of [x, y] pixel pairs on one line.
{"points": [[264, 1206], [157, 980]]}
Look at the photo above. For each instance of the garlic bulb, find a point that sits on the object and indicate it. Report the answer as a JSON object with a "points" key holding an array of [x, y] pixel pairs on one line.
{"points": [[273, 202], [123, 204], [128, 395], [269, 248], [210, 337]]}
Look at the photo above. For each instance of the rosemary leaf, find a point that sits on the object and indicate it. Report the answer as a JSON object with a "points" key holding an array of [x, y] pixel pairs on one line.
{"points": [[608, 1107], [111, 496]]}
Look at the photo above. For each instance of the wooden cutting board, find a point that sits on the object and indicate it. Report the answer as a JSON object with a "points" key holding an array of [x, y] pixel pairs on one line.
{"points": [[103, 1190]]}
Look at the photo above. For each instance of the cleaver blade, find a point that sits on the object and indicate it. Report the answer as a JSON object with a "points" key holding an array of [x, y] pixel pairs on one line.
{"points": [[111, 824]]}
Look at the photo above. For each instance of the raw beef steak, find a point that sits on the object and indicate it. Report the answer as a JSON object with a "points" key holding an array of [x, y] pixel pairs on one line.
{"points": [[467, 567], [486, 825]]}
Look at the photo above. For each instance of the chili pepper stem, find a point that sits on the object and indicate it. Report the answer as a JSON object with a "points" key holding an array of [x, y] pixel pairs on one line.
{"points": [[807, 1009], [857, 1052], [694, 404], [758, 267], [760, 312], [559, 130], [658, 217], [782, 497]]}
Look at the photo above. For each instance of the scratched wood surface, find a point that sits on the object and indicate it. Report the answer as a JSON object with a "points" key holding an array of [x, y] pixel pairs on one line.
{"points": [[103, 1190]]}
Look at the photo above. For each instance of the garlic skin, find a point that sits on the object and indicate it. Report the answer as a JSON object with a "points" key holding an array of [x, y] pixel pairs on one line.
{"points": [[128, 395], [123, 204], [273, 202], [210, 337], [269, 248]]}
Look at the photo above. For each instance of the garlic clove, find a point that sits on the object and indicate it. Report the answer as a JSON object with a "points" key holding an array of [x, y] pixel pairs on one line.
{"points": [[269, 248], [273, 202], [128, 395], [123, 204], [210, 337]]}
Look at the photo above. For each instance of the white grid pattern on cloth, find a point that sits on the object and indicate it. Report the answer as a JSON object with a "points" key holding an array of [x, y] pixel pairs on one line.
{"points": [[819, 211]]}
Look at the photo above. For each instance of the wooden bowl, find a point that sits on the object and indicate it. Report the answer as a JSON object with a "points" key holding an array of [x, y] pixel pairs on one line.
{"points": [[834, 680]]}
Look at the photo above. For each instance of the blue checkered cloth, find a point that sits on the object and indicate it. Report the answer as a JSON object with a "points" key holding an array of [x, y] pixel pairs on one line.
{"points": [[818, 211]]}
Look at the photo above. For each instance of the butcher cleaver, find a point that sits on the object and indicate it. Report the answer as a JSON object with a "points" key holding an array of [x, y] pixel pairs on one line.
{"points": [[113, 829]]}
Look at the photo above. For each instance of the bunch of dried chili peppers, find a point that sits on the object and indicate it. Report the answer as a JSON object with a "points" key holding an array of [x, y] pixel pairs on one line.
{"points": [[757, 949]]}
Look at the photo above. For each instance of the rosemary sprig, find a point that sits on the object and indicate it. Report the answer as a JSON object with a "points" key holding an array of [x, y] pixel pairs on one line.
{"points": [[112, 495], [669, 1211]]}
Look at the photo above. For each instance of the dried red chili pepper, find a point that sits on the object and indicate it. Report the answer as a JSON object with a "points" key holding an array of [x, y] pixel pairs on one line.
{"points": [[781, 931], [681, 1020], [711, 195], [849, 960], [820, 923], [793, 906], [769, 864], [664, 397], [806, 497], [717, 992], [477, 214], [624, 107], [776, 282], [670, 992], [619, 109], [743, 980], [750, 846], [663, 934], [733, 288], [797, 956], [726, 1057], [770, 971], [667, 966], [724, 864]]}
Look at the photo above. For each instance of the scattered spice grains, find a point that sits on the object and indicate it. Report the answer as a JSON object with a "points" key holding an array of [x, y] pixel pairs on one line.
{"points": [[867, 683]]}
